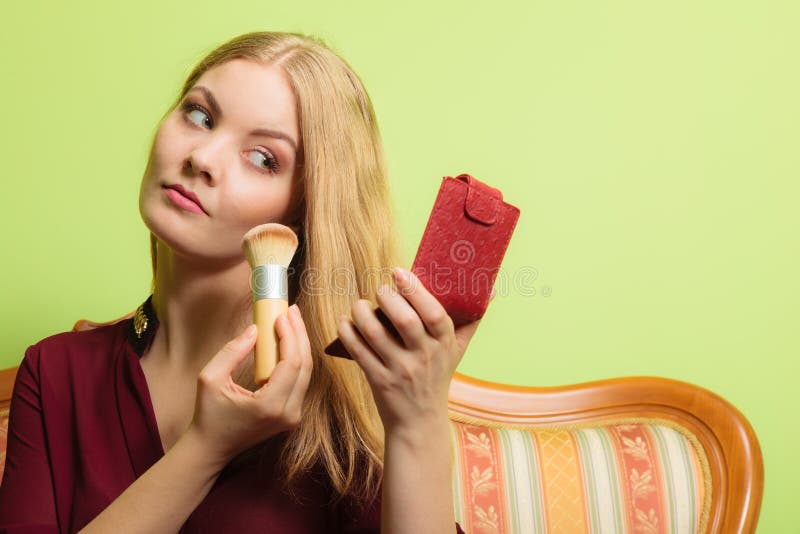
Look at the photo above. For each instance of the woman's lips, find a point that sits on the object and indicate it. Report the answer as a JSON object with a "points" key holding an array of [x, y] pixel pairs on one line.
{"points": [[182, 202]]}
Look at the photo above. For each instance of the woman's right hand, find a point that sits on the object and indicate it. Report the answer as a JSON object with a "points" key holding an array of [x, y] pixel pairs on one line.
{"points": [[228, 418]]}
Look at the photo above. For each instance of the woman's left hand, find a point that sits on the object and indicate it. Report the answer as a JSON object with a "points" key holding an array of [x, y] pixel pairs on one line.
{"points": [[410, 380]]}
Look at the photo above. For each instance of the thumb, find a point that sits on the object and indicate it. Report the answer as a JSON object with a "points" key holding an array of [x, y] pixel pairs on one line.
{"points": [[465, 332], [225, 361]]}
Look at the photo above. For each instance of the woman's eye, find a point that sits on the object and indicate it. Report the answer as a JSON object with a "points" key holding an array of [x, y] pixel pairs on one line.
{"points": [[197, 114], [264, 160]]}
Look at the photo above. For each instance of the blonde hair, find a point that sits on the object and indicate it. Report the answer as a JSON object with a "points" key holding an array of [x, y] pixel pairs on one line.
{"points": [[347, 244]]}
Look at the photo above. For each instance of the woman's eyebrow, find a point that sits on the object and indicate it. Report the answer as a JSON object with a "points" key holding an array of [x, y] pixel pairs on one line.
{"points": [[214, 105]]}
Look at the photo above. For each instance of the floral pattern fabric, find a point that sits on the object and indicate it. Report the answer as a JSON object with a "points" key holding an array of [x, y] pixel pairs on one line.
{"points": [[614, 477]]}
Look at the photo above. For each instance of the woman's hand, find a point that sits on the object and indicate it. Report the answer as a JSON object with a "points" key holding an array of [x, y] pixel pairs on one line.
{"points": [[410, 380], [229, 418]]}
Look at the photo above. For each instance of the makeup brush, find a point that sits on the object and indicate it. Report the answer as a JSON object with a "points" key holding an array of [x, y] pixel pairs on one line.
{"points": [[269, 249]]}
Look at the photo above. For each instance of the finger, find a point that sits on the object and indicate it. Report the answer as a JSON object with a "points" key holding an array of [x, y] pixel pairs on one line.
{"points": [[289, 344], [359, 350], [429, 309], [299, 324], [296, 398], [382, 343], [294, 404], [231, 355], [403, 317]]}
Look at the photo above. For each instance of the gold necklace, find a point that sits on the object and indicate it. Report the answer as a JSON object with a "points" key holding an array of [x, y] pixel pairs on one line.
{"points": [[140, 321]]}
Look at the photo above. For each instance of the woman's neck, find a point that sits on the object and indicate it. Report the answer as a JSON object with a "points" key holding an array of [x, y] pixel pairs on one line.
{"points": [[200, 307]]}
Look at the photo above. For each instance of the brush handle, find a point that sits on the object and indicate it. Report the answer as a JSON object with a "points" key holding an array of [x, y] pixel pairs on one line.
{"points": [[265, 313]]}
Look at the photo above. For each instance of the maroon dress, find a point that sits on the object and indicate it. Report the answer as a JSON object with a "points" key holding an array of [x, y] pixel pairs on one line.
{"points": [[82, 428]]}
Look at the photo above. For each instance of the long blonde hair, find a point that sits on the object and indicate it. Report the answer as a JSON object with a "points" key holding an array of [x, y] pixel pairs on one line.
{"points": [[347, 244]]}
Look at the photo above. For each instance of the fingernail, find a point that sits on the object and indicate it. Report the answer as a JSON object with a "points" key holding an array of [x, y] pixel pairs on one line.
{"points": [[492, 294], [401, 274], [251, 331]]}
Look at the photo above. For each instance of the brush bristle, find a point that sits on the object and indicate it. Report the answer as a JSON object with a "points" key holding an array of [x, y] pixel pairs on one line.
{"points": [[269, 243]]}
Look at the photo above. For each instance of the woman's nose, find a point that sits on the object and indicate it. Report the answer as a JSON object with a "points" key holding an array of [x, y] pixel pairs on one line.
{"points": [[204, 161], [193, 165]]}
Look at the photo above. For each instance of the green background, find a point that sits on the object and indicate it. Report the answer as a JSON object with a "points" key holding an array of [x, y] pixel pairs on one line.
{"points": [[651, 147]]}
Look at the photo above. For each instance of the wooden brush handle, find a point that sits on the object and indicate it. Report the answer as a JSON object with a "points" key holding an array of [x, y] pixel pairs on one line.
{"points": [[265, 313]]}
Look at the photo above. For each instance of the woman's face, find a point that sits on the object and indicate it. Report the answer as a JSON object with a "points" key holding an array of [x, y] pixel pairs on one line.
{"points": [[233, 141]]}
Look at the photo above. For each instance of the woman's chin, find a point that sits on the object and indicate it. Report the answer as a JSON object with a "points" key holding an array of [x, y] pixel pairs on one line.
{"points": [[191, 237], [193, 246]]}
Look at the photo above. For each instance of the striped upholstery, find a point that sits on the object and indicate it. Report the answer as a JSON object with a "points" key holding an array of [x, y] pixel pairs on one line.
{"points": [[621, 476]]}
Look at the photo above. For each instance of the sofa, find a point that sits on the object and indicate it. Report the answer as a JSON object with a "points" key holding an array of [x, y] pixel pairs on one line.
{"points": [[638, 455]]}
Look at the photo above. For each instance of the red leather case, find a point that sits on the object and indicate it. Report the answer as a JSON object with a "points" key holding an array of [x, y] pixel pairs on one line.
{"points": [[461, 250]]}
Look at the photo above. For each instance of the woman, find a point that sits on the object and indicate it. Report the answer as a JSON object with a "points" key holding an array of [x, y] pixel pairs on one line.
{"points": [[154, 424]]}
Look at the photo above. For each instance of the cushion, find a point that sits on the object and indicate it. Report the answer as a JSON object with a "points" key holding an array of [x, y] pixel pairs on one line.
{"points": [[621, 476]]}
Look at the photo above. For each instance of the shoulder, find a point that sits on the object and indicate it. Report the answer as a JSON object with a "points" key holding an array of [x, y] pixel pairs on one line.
{"points": [[67, 352]]}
